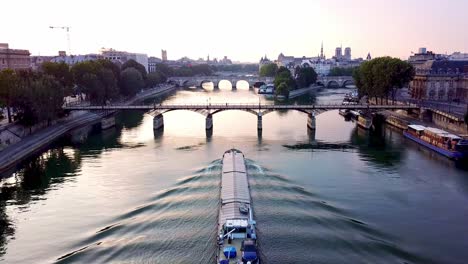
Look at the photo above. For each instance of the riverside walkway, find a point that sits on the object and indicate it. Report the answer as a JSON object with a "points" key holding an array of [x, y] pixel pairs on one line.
{"points": [[39, 140]]}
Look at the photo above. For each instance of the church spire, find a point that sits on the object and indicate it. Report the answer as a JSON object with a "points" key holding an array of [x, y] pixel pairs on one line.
{"points": [[321, 51]]}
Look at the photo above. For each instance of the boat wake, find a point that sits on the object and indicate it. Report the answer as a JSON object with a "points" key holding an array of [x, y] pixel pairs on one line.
{"points": [[294, 225]]}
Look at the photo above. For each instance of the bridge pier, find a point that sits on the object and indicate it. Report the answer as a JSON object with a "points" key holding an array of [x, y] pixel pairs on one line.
{"points": [[209, 122], [259, 121], [158, 122], [311, 121], [107, 122]]}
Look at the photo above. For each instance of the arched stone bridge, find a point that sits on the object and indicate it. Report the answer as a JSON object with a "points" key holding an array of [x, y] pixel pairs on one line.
{"points": [[335, 81], [327, 81], [199, 80]]}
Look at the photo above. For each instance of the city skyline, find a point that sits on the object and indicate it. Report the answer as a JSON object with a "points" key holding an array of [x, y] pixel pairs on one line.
{"points": [[243, 31]]}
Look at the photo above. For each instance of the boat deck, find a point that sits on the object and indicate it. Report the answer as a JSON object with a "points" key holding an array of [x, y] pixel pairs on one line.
{"points": [[235, 196]]}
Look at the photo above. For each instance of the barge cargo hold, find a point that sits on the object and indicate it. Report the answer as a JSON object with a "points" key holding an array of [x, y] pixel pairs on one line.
{"points": [[237, 239]]}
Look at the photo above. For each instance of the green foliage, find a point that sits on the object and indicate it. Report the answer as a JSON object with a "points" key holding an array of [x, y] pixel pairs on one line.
{"points": [[268, 70], [283, 75], [155, 78], [381, 77], [131, 82], [38, 98], [341, 71], [305, 76], [60, 71], [282, 89], [165, 69], [8, 84], [236, 68], [97, 79], [137, 66]]}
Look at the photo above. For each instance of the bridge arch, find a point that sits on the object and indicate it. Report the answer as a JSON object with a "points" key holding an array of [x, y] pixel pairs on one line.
{"points": [[222, 82], [243, 84], [245, 110], [347, 82], [334, 83]]}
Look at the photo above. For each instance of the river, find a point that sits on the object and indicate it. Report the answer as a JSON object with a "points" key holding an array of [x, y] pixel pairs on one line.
{"points": [[341, 195]]}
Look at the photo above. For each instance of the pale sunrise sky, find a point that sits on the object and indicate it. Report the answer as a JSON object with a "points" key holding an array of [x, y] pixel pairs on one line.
{"points": [[243, 30]]}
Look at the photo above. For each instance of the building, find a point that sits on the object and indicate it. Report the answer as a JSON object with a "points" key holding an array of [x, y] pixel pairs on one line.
{"points": [[369, 57], [441, 80], [37, 61], [423, 56], [164, 55], [15, 59], [321, 67], [74, 59], [263, 61], [120, 57], [152, 62], [347, 55], [458, 56], [338, 53]]}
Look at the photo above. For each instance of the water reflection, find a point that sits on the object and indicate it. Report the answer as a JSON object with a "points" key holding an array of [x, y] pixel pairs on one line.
{"points": [[134, 161]]}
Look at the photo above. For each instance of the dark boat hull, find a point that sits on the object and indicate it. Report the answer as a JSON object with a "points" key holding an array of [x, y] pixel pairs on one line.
{"points": [[449, 154]]}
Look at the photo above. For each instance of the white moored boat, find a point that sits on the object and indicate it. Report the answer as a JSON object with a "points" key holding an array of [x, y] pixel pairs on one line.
{"points": [[237, 239]]}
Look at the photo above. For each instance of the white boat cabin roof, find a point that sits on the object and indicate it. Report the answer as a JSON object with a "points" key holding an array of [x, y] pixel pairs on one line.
{"points": [[417, 127], [234, 188]]}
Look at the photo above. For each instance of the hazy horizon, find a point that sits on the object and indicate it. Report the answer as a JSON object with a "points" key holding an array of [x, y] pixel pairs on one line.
{"points": [[242, 30]]}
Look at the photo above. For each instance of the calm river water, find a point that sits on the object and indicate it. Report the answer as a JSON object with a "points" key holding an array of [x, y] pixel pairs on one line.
{"points": [[128, 195]]}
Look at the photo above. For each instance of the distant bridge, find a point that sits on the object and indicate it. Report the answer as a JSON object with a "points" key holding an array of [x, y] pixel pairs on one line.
{"points": [[208, 110], [198, 81], [335, 81]]}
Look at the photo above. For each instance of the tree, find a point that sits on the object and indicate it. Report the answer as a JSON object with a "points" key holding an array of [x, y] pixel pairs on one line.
{"points": [[60, 71], [155, 78], [282, 89], [341, 71], [131, 82], [466, 118], [97, 79], [137, 66], [305, 77], [164, 69], [283, 75], [38, 98], [268, 70], [381, 77], [8, 83]]}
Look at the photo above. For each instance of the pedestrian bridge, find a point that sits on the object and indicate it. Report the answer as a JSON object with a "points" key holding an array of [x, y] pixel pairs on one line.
{"points": [[208, 110]]}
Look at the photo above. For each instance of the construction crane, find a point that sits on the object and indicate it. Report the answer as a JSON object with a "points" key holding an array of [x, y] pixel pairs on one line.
{"points": [[68, 36]]}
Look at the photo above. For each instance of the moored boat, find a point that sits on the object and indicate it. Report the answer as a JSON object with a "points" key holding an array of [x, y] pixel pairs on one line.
{"points": [[442, 142], [397, 122], [365, 122], [237, 239]]}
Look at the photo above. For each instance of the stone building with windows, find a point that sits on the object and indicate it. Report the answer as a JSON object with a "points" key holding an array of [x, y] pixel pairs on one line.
{"points": [[441, 80], [15, 59]]}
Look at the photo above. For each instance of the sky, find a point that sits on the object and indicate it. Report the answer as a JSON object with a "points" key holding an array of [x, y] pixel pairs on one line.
{"points": [[243, 30]]}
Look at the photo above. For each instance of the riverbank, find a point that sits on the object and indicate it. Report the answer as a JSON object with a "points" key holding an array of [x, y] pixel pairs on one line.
{"points": [[35, 142]]}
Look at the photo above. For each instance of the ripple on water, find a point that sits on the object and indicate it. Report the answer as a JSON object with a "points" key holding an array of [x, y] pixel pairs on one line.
{"points": [[295, 225]]}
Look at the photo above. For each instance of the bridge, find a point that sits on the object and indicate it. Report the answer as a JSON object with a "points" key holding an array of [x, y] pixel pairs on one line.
{"points": [[259, 110], [198, 81], [335, 81]]}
